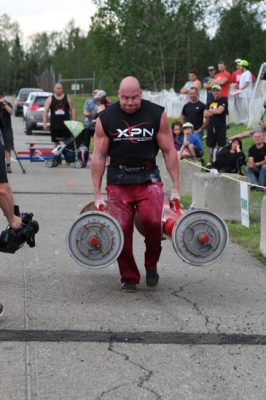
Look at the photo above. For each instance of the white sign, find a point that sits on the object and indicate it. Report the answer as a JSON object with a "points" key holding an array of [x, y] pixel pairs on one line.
{"points": [[244, 203], [75, 87]]}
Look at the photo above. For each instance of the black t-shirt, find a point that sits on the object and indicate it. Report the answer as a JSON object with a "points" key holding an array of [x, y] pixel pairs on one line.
{"points": [[60, 112], [228, 161], [218, 120], [3, 175], [5, 117], [132, 136], [257, 154], [194, 113]]}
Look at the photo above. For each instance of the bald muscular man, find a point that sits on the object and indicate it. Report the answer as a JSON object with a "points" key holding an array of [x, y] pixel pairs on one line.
{"points": [[131, 132]]}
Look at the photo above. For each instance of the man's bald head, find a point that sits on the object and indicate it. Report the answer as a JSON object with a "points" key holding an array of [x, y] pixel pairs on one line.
{"points": [[129, 94]]}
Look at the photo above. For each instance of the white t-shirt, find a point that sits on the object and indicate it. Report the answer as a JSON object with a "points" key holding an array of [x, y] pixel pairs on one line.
{"points": [[245, 77]]}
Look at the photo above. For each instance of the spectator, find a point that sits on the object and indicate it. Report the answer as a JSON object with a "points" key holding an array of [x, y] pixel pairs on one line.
{"points": [[6, 110], [102, 102], [256, 165], [193, 112], [215, 115], [89, 112], [231, 158], [62, 109], [236, 74], [178, 135], [193, 81], [192, 145], [244, 92], [208, 82], [222, 78]]}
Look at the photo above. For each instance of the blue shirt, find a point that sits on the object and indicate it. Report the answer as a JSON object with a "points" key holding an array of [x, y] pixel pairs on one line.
{"points": [[195, 140]]}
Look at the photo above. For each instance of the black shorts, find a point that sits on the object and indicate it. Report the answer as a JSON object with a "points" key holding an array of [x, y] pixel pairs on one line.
{"points": [[216, 135], [8, 138], [60, 134]]}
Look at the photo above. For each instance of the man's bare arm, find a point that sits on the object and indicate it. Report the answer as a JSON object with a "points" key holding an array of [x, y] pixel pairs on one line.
{"points": [[72, 109], [100, 152], [47, 106]]}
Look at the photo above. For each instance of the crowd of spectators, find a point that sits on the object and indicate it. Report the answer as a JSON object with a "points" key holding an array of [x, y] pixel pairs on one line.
{"points": [[225, 154]]}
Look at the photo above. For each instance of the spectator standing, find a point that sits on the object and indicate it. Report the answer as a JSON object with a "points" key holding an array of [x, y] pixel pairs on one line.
{"points": [[208, 82], [192, 145], [61, 109], [90, 112], [6, 110], [222, 78], [244, 92], [193, 111], [132, 131], [193, 81], [236, 74], [256, 165], [215, 114]]}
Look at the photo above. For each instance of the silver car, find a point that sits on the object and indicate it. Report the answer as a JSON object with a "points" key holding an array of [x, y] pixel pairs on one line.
{"points": [[33, 120]]}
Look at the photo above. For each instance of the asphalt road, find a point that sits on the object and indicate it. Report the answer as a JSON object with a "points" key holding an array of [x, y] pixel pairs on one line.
{"points": [[68, 333]]}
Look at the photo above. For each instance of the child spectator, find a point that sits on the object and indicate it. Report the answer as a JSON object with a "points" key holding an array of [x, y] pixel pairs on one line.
{"points": [[178, 135], [192, 145]]}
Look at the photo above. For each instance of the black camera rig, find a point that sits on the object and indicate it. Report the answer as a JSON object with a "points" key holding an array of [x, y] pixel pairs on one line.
{"points": [[11, 240]]}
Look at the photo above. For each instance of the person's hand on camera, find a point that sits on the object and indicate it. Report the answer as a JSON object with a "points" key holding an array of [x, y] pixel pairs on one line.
{"points": [[15, 223]]}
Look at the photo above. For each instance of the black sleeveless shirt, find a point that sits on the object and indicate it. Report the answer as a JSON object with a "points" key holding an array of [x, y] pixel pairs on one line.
{"points": [[133, 145], [59, 113]]}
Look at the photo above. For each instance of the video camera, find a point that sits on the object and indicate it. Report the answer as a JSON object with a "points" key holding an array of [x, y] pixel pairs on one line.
{"points": [[11, 240]]}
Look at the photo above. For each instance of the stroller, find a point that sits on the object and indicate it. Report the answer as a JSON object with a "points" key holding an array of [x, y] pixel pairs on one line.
{"points": [[73, 150]]}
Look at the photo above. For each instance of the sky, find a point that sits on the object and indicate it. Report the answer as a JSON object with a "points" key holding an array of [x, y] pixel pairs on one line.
{"points": [[35, 16]]}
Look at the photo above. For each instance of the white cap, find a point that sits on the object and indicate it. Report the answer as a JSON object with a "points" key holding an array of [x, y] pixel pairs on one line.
{"points": [[238, 60], [100, 93]]}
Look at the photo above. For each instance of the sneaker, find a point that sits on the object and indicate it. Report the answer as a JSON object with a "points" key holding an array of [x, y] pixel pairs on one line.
{"points": [[129, 287], [1, 310], [8, 169], [152, 278]]}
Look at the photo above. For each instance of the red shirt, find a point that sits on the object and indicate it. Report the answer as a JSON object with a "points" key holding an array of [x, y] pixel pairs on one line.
{"points": [[225, 86]]}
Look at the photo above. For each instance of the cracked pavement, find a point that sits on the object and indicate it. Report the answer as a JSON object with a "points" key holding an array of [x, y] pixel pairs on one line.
{"points": [[44, 289]]}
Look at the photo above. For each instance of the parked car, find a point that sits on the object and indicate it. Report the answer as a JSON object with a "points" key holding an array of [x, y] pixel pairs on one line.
{"points": [[34, 115], [28, 102], [22, 97]]}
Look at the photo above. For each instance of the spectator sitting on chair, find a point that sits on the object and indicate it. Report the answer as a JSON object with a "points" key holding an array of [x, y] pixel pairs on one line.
{"points": [[230, 158], [192, 146], [256, 165], [6, 130]]}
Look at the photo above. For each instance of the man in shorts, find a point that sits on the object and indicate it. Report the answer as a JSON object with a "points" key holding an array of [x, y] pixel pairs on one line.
{"points": [[6, 110], [215, 114], [61, 109]]}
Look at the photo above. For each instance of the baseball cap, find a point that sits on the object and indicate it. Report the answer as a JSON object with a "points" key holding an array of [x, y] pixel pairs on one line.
{"points": [[216, 87], [100, 93], [188, 125], [211, 67], [238, 60], [244, 63]]}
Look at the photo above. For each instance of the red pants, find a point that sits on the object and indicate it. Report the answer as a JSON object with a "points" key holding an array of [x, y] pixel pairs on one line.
{"points": [[147, 200]]}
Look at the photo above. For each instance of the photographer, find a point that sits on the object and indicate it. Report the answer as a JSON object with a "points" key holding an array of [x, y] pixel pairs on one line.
{"points": [[6, 110], [6, 199]]}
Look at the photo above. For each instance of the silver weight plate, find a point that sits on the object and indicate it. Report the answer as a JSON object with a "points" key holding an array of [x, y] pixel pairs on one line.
{"points": [[200, 237], [95, 239]]}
